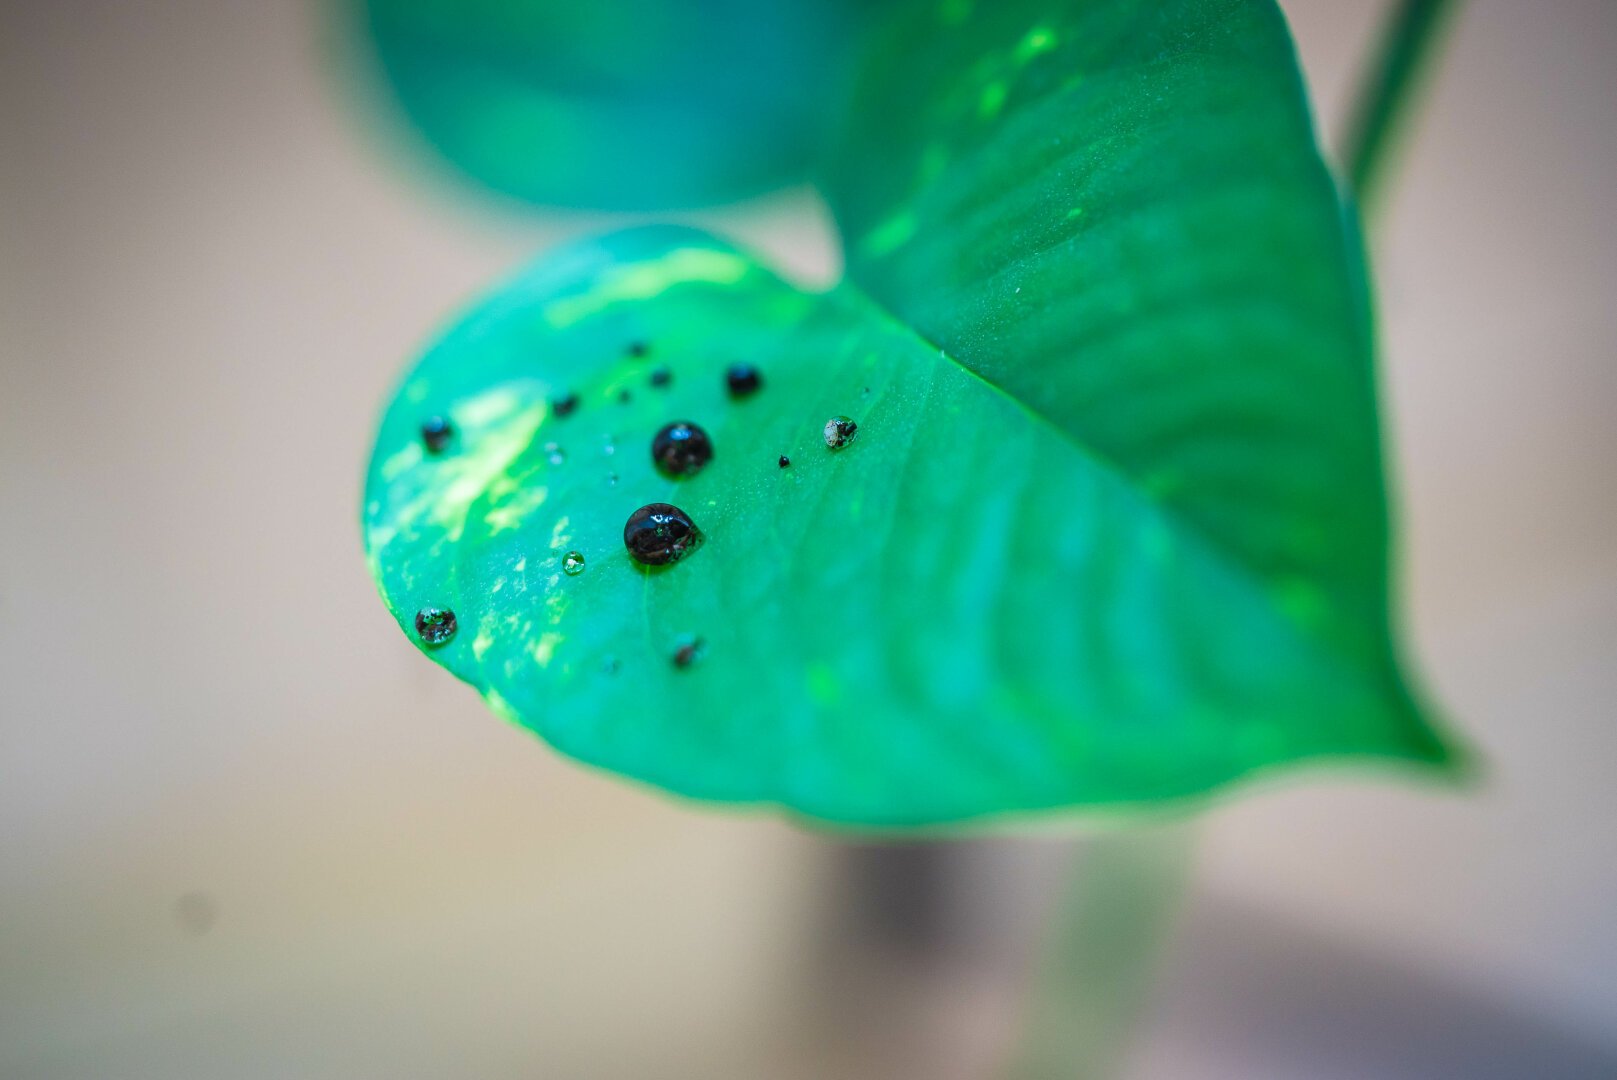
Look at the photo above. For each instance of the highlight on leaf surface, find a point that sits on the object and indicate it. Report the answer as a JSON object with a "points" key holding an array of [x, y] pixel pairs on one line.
{"points": [[1105, 525], [616, 104]]}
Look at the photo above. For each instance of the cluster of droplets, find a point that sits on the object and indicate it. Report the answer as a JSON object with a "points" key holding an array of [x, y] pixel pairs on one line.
{"points": [[657, 534]]}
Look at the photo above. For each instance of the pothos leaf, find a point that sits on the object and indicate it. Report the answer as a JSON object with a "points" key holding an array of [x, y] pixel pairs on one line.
{"points": [[627, 104], [1112, 529]]}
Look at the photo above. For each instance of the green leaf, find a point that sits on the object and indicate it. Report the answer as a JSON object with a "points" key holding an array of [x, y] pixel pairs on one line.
{"points": [[626, 104], [1113, 528]]}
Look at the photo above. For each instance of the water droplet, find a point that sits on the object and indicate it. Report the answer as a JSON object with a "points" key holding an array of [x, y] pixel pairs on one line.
{"points": [[623, 396], [434, 626], [436, 433], [689, 652], [681, 449], [658, 534], [742, 380], [839, 432], [565, 405], [637, 349], [572, 563], [554, 453], [785, 461], [611, 479], [609, 447], [661, 376], [609, 666]]}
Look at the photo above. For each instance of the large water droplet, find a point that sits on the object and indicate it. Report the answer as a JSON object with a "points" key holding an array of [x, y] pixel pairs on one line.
{"points": [[658, 534], [839, 432], [572, 563], [564, 405], [742, 379], [681, 449], [436, 433], [554, 453], [434, 626]]}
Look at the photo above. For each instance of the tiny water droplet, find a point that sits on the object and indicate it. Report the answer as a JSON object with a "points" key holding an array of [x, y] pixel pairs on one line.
{"points": [[689, 652], [681, 449], [572, 563], [434, 626], [436, 433], [661, 376], [623, 396], [609, 447], [609, 666], [785, 461], [564, 405], [554, 453], [637, 349], [658, 534], [611, 479], [839, 432], [742, 380]]}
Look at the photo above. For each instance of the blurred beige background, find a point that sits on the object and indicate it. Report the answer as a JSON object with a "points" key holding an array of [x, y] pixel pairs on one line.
{"points": [[245, 831]]}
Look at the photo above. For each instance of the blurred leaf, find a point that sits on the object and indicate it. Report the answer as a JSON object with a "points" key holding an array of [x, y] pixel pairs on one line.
{"points": [[619, 104], [1112, 531]]}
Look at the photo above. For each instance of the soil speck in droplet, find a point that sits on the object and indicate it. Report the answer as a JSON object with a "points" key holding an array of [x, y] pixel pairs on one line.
{"points": [[689, 652], [742, 380], [681, 449], [434, 626], [785, 461], [659, 533], [839, 432], [436, 433], [565, 405]]}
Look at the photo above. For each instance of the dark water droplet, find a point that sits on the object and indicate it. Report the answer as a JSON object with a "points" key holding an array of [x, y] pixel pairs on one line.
{"points": [[564, 405], [681, 449], [658, 534], [572, 563], [661, 376], [785, 461], [742, 380], [637, 349], [554, 453], [434, 626], [689, 652], [839, 432], [436, 433], [623, 396]]}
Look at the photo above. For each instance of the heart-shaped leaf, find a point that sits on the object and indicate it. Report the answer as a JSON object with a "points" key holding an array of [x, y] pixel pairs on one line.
{"points": [[626, 104], [1112, 526]]}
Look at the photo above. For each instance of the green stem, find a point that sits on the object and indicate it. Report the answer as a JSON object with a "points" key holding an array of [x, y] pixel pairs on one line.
{"points": [[1105, 938], [1382, 102]]}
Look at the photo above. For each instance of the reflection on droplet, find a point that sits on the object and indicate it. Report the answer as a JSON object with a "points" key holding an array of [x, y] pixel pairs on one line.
{"points": [[572, 563], [554, 453], [434, 626], [436, 433], [681, 449], [659, 533], [785, 461], [689, 652], [564, 405], [661, 376], [742, 380], [839, 432]]}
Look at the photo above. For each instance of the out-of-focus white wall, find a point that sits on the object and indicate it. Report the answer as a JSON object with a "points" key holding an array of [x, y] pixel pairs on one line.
{"points": [[246, 832]]}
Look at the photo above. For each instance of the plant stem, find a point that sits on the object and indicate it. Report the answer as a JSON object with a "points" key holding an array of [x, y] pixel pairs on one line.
{"points": [[1105, 938], [1382, 102]]}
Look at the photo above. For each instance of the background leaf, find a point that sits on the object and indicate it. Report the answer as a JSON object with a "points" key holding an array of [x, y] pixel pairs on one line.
{"points": [[632, 104]]}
